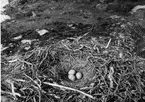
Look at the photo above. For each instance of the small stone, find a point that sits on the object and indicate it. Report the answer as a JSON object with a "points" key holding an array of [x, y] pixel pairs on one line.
{"points": [[137, 8], [26, 41], [17, 37], [27, 47], [78, 75], [71, 72], [42, 32], [71, 77]]}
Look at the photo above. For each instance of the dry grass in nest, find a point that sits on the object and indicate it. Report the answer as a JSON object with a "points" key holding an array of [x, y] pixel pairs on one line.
{"points": [[32, 71]]}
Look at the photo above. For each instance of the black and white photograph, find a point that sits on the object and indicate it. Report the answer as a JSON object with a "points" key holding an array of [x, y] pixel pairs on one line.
{"points": [[72, 50]]}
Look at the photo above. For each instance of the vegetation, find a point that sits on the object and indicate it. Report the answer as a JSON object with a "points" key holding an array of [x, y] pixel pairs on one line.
{"points": [[109, 54]]}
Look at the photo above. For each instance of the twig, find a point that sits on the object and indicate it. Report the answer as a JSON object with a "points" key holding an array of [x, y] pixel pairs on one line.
{"points": [[108, 43], [12, 89], [68, 88], [44, 58], [9, 93]]}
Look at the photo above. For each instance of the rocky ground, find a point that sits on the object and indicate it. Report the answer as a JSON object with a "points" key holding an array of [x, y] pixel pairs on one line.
{"points": [[104, 40]]}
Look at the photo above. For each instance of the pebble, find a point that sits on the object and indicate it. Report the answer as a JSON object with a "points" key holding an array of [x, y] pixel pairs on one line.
{"points": [[42, 32], [26, 41], [17, 37], [27, 47], [137, 8]]}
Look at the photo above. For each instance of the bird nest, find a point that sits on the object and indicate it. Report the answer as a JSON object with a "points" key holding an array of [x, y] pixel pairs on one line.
{"points": [[43, 71], [78, 60], [86, 68]]}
